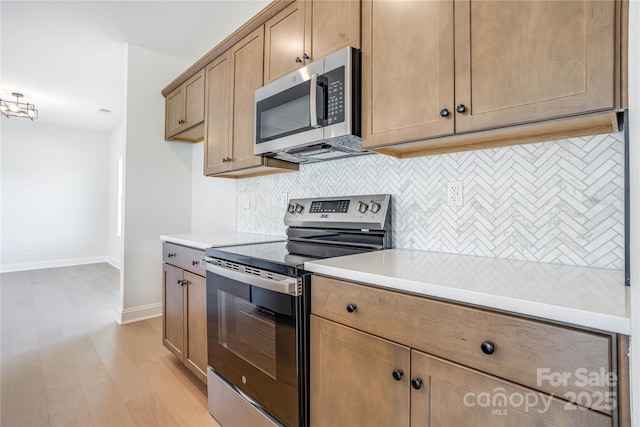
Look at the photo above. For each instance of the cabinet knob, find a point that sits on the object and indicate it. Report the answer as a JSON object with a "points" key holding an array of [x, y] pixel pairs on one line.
{"points": [[171, 255], [181, 282], [444, 112], [487, 347], [298, 60], [351, 308], [180, 122], [461, 108], [305, 56], [416, 383], [195, 262], [397, 374]]}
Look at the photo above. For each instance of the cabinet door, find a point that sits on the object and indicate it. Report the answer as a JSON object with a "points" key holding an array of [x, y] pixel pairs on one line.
{"points": [[407, 70], [452, 395], [352, 381], [194, 100], [174, 112], [246, 73], [284, 41], [196, 320], [173, 310], [331, 25], [217, 145], [525, 61]]}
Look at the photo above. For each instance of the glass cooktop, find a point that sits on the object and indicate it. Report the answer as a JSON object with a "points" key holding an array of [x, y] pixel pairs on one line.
{"points": [[268, 256]]}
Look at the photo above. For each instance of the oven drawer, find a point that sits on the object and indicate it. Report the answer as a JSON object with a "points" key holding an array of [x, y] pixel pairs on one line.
{"points": [[462, 334], [183, 257]]}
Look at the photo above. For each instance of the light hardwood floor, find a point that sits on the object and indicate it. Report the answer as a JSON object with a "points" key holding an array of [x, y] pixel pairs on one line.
{"points": [[65, 361]]}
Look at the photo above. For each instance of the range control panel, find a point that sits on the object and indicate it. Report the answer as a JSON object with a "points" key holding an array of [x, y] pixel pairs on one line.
{"points": [[350, 212]]}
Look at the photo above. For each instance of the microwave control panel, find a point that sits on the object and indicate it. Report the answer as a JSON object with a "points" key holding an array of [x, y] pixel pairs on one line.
{"points": [[335, 96]]}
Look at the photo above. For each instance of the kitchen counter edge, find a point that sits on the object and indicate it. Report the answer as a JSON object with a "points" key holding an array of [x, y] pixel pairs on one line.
{"points": [[463, 282], [207, 240]]}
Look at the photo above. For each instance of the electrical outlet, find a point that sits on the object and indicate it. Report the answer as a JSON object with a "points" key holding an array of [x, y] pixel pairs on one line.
{"points": [[284, 200], [454, 193]]}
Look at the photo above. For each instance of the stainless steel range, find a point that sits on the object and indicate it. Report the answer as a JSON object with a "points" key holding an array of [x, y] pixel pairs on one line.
{"points": [[258, 305]]}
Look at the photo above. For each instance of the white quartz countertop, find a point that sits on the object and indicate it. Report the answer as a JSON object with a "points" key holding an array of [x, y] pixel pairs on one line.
{"points": [[208, 240], [587, 297]]}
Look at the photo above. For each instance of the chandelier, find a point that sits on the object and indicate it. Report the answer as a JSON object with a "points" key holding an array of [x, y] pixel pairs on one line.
{"points": [[17, 108]]}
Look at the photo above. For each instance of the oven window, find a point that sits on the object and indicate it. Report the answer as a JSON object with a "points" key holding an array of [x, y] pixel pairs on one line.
{"points": [[248, 331]]}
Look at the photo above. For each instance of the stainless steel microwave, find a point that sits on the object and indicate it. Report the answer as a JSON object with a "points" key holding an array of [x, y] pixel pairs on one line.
{"points": [[313, 113]]}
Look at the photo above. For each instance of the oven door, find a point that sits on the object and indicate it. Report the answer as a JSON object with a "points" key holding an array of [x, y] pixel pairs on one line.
{"points": [[253, 334]]}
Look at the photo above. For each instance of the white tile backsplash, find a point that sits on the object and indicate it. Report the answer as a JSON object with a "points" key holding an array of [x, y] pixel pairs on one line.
{"points": [[558, 201]]}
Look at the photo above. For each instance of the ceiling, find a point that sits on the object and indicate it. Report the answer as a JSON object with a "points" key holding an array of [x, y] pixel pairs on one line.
{"points": [[69, 57]]}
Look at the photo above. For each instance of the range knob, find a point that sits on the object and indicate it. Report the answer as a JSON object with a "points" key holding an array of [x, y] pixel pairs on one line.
{"points": [[362, 207], [375, 207], [291, 208], [299, 208]]}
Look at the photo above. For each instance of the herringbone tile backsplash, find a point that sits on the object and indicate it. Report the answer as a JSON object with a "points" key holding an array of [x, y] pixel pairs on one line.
{"points": [[559, 201]]}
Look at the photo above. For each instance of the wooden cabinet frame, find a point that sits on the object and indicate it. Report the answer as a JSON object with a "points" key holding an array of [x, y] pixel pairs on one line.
{"points": [[184, 309], [232, 79], [308, 30], [511, 118], [184, 112], [443, 340]]}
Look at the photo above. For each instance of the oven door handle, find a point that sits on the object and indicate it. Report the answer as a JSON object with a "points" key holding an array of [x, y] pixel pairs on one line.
{"points": [[287, 286]]}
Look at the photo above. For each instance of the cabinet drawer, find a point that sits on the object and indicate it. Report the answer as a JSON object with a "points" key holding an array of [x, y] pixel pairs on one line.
{"points": [[183, 257], [554, 359]]}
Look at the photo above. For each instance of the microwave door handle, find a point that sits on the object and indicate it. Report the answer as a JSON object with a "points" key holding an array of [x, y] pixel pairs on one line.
{"points": [[313, 111]]}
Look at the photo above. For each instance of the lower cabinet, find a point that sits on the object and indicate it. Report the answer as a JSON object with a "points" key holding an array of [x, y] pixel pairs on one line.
{"points": [[184, 323], [447, 394], [353, 378], [383, 358], [358, 379], [173, 330], [195, 351]]}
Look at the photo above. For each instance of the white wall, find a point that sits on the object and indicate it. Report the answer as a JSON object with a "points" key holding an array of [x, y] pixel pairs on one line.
{"points": [[213, 199], [54, 195], [117, 139], [157, 193]]}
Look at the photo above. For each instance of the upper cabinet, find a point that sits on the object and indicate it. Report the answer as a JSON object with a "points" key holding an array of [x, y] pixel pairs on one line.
{"points": [[407, 70], [284, 49], [232, 80], [437, 76], [331, 25], [217, 148], [308, 30], [520, 61], [185, 110], [432, 69]]}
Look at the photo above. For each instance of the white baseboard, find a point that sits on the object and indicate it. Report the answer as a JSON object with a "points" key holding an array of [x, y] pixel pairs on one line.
{"points": [[135, 314], [23, 266]]}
